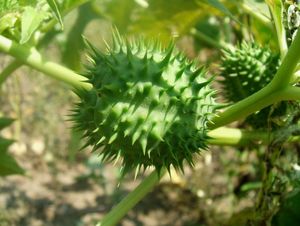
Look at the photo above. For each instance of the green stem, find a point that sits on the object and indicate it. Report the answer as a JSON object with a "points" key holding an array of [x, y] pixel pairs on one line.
{"points": [[32, 58], [244, 108], [235, 137], [122, 208], [285, 73], [203, 37], [9, 70], [224, 136], [255, 13], [291, 93]]}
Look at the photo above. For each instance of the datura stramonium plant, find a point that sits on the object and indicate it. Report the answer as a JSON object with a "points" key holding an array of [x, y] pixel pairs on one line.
{"points": [[245, 70], [149, 105]]}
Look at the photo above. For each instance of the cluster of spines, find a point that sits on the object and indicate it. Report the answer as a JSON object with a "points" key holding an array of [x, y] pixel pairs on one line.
{"points": [[149, 105], [245, 70]]}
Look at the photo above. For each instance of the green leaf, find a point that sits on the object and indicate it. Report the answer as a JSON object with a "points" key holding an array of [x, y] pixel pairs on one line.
{"points": [[7, 21], [4, 144], [288, 213], [74, 44], [8, 165], [166, 19], [53, 5], [218, 5], [31, 20], [8, 6], [4, 122]]}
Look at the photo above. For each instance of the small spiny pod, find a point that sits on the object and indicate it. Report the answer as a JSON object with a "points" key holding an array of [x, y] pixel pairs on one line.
{"points": [[149, 106], [245, 70]]}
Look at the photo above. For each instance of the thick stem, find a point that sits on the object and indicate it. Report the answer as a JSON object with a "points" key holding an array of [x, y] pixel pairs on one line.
{"points": [[285, 73], [236, 137], [253, 103], [291, 93], [244, 108], [32, 58], [120, 210]]}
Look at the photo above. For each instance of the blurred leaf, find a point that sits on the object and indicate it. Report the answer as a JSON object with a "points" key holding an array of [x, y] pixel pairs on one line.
{"points": [[218, 5], [31, 20], [164, 20], [259, 7], [7, 21], [8, 6], [120, 12], [251, 186], [68, 5], [288, 213], [53, 5], [4, 122], [207, 33], [5, 143], [8, 165], [31, 2], [74, 44]]}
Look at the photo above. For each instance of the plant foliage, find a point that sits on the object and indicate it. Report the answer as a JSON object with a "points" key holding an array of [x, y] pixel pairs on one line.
{"points": [[8, 165]]}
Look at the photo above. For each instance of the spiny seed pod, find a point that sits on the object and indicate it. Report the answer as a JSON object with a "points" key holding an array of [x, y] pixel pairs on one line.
{"points": [[148, 106], [245, 70]]}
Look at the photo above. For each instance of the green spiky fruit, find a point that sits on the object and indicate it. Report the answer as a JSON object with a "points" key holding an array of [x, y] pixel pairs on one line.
{"points": [[148, 106], [245, 70]]}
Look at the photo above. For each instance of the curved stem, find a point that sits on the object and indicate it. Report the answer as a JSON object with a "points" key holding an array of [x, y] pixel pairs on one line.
{"points": [[122, 208], [244, 108], [203, 37], [255, 13], [15, 64], [32, 58], [253, 103]]}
